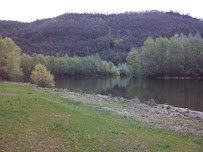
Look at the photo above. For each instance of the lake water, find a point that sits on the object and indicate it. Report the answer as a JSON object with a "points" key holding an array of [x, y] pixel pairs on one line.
{"points": [[180, 93]]}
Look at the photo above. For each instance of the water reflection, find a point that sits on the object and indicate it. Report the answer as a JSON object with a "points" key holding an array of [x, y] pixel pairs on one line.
{"points": [[181, 93]]}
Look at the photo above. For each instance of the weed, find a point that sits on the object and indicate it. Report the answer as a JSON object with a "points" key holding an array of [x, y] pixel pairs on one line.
{"points": [[163, 144]]}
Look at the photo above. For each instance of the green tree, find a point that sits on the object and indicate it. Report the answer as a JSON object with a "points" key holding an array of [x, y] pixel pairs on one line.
{"points": [[75, 65], [50, 63], [35, 60], [115, 71], [26, 66], [124, 70], [42, 59], [60, 65], [105, 68], [148, 58], [42, 77], [133, 61], [12, 67], [10, 64], [3, 57], [175, 57], [161, 47]]}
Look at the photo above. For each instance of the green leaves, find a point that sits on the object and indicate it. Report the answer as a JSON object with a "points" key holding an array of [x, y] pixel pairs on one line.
{"points": [[178, 56], [42, 77], [10, 60], [133, 61]]}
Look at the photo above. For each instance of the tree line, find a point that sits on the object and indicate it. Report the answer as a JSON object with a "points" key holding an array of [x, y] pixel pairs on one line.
{"points": [[178, 56], [37, 68], [111, 35], [89, 65]]}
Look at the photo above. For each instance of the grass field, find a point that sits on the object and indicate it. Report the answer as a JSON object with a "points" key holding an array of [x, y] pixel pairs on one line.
{"points": [[41, 120]]}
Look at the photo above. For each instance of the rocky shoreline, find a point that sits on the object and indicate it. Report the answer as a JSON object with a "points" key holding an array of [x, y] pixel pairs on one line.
{"points": [[150, 104]]}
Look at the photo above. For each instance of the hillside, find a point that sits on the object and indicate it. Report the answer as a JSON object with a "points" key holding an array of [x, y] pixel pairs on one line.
{"points": [[112, 36]]}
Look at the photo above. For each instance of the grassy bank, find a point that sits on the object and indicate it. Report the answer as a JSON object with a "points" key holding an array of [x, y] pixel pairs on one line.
{"points": [[40, 120]]}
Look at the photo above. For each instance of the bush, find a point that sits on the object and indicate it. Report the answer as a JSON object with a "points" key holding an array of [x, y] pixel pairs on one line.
{"points": [[124, 70], [115, 71], [42, 77]]}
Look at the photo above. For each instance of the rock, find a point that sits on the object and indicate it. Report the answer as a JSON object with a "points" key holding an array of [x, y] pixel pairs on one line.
{"points": [[135, 100], [151, 102], [65, 90], [101, 96], [56, 89], [157, 112], [110, 95], [143, 115], [188, 111]]}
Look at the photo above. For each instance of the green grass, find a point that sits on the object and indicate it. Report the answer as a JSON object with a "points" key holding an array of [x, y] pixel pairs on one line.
{"points": [[39, 120]]}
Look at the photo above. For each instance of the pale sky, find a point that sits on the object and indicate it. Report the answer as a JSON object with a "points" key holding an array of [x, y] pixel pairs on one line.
{"points": [[31, 10]]}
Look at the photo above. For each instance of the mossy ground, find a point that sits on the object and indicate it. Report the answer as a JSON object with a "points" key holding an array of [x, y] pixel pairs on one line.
{"points": [[41, 120]]}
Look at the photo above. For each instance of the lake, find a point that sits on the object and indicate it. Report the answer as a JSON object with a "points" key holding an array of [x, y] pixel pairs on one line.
{"points": [[180, 93]]}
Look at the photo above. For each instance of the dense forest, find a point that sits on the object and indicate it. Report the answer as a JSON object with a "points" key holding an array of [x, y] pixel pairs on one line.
{"points": [[178, 56], [111, 36]]}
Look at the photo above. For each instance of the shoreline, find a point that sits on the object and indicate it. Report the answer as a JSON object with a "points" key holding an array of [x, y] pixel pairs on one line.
{"points": [[180, 78], [44, 119], [161, 116]]}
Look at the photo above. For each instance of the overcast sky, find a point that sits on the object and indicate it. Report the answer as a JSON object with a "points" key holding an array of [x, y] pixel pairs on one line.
{"points": [[31, 10]]}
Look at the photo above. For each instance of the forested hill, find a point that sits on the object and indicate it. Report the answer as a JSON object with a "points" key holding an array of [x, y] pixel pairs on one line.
{"points": [[112, 36]]}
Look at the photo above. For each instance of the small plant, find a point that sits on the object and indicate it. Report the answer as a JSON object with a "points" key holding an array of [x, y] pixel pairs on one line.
{"points": [[163, 144], [117, 132], [162, 106], [125, 116], [168, 107]]}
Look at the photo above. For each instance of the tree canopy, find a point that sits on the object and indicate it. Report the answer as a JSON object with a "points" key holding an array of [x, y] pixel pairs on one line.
{"points": [[178, 56], [112, 35]]}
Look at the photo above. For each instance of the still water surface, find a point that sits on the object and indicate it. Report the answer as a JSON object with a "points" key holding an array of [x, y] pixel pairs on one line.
{"points": [[180, 93]]}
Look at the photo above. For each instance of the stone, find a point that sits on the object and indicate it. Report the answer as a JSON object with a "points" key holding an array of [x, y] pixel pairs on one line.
{"points": [[151, 102], [135, 100]]}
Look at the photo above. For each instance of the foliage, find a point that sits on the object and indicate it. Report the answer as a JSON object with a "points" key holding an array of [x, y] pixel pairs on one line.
{"points": [[10, 60], [60, 65], [115, 71], [42, 77], [26, 65], [124, 70], [42, 59], [89, 65], [133, 61], [111, 35], [12, 67], [179, 56]]}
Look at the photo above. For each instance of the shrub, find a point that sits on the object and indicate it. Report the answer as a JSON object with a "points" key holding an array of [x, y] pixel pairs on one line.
{"points": [[42, 77], [115, 71]]}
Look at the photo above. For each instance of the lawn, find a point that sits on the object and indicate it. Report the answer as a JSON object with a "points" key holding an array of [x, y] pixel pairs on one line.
{"points": [[34, 119]]}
